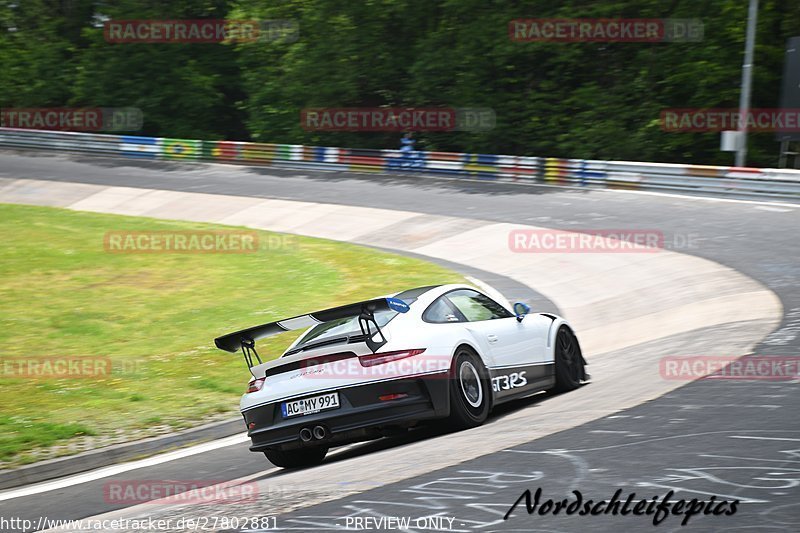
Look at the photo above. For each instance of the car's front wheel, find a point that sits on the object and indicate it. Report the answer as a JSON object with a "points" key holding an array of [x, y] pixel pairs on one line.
{"points": [[297, 458], [470, 393]]}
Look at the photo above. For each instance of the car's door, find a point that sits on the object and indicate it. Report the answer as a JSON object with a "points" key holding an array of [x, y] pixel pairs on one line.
{"points": [[511, 343]]}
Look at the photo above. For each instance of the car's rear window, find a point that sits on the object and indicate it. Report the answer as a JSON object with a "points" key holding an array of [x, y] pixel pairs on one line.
{"points": [[346, 327]]}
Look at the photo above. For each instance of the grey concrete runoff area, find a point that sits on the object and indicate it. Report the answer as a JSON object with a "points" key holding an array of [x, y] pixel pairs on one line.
{"points": [[725, 283]]}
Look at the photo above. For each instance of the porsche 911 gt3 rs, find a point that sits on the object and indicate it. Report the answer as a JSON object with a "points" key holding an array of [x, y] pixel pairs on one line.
{"points": [[381, 366]]}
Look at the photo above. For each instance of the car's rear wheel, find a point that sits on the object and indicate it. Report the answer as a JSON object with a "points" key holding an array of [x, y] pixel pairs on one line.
{"points": [[569, 361], [297, 458], [470, 393]]}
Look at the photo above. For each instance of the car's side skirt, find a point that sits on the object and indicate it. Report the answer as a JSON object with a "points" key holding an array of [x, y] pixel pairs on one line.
{"points": [[510, 382]]}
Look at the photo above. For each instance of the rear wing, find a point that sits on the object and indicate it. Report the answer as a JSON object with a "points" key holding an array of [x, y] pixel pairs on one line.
{"points": [[245, 339]]}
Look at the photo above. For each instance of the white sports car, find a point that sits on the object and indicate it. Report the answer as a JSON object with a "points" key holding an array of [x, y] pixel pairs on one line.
{"points": [[373, 368]]}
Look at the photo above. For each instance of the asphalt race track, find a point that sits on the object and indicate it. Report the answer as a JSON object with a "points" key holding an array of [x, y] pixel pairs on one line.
{"points": [[731, 439]]}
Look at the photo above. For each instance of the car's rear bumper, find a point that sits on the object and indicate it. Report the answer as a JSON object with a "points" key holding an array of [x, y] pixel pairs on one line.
{"points": [[361, 416]]}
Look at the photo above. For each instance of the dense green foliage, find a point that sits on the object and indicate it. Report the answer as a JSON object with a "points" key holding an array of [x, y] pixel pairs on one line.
{"points": [[583, 100]]}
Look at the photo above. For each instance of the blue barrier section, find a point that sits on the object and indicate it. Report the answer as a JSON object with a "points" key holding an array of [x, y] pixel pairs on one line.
{"points": [[475, 166], [414, 160], [589, 175]]}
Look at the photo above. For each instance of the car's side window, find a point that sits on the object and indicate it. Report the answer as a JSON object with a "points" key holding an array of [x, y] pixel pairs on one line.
{"points": [[476, 306], [441, 311]]}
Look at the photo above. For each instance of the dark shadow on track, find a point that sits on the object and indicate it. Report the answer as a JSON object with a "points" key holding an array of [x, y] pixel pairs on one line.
{"points": [[418, 434]]}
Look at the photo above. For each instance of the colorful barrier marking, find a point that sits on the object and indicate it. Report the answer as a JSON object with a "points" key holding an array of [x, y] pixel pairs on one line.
{"points": [[181, 148], [139, 147]]}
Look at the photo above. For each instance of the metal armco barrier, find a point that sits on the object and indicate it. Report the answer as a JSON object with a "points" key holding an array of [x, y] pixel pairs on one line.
{"points": [[588, 173]]}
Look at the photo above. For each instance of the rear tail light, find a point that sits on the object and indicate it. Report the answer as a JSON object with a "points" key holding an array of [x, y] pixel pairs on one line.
{"points": [[385, 357], [255, 385]]}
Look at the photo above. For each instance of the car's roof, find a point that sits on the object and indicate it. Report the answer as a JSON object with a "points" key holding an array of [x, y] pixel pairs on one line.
{"points": [[437, 289], [429, 293]]}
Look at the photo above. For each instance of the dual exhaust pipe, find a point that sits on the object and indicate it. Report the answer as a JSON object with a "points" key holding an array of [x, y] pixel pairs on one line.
{"points": [[308, 434]]}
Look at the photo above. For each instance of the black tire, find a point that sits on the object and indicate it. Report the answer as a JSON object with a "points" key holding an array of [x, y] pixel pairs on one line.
{"points": [[470, 391], [297, 458], [569, 361]]}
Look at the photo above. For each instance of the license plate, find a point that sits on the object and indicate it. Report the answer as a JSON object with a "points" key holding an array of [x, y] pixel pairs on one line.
{"points": [[308, 406]]}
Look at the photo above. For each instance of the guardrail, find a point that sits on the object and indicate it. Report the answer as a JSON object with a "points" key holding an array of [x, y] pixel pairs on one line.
{"points": [[589, 173]]}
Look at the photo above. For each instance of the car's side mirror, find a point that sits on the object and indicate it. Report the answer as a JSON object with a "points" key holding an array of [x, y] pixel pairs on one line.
{"points": [[521, 309]]}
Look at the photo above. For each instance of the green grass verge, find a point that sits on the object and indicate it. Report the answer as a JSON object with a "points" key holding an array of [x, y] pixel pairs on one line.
{"points": [[154, 315]]}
